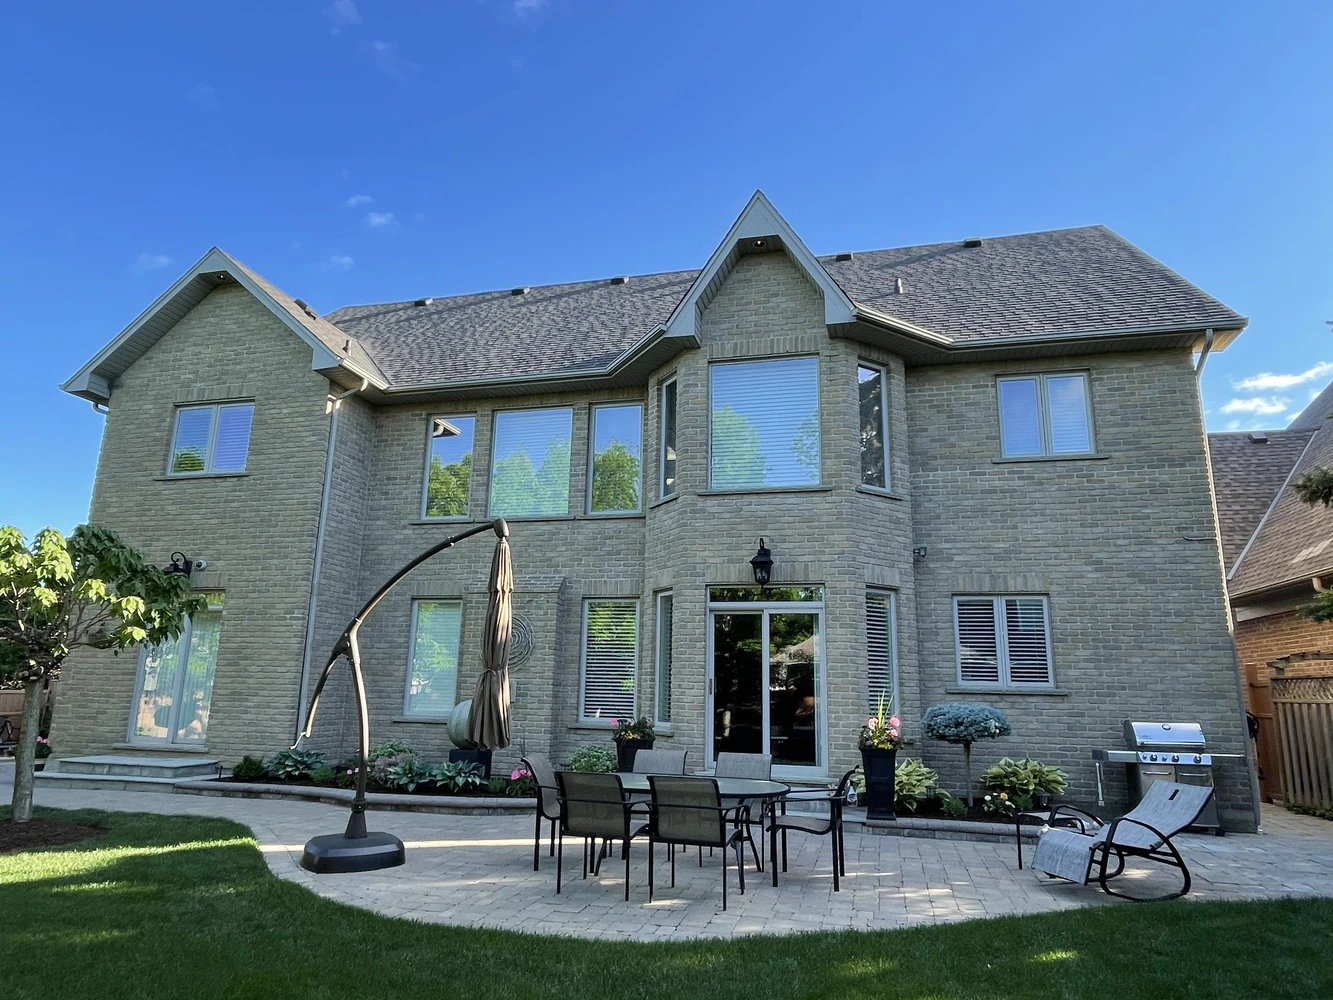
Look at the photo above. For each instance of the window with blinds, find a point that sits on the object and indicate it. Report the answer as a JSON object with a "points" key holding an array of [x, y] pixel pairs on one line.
{"points": [[1003, 642], [881, 648], [1044, 415], [432, 679], [764, 429], [668, 442], [211, 439], [610, 645], [664, 615]]}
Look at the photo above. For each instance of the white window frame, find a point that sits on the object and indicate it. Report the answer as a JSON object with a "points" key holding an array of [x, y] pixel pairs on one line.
{"points": [[412, 652], [213, 421], [592, 457], [662, 493], [430, 454], [819, 416], [183, 647], [1002, 644], [883, 370], [597, 720], [1044, 416], [663, 595], [891, 614]]}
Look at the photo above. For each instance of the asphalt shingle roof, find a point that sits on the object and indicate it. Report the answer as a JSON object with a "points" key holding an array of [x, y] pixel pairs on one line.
{"points": [[1247, 475], [1063, 281]]}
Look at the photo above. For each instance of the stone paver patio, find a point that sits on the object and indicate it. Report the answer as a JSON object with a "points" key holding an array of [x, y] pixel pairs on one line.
{"points": [[476, 871]]}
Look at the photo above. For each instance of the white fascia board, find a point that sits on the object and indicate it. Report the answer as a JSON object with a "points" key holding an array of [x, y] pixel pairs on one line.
{"points": [[760, 218]]}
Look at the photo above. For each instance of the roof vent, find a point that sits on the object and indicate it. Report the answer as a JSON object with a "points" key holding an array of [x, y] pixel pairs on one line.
{"points": [[972, 242], [620, 279], [347, 346], [306, 309], [1258, 437], [423, 302], [898, 286], [843, 256], [523, 290]]}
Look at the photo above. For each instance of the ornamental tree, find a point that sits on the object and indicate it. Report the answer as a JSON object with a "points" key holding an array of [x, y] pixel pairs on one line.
{"points": [[57, 594], [960, 722], [1315, 486]]}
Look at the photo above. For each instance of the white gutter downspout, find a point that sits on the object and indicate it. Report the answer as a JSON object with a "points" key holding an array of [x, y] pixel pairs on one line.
{"points": [[1203, 354], [332, 406]]}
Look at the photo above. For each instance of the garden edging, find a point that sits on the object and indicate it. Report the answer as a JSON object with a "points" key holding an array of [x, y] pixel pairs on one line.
{"points": [[464, 805]]}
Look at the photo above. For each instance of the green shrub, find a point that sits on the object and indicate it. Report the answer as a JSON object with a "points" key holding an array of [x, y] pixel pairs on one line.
{"points": [[344, 777], [594, 759], [458, 775], [291, 765], [1023, 779], [322, 775], [497, 785], [953, 808], [911, 782], [249, 768], [389, 748]]}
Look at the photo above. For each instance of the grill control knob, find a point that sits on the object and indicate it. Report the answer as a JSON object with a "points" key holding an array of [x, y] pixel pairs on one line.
{"points": [[1198, 759], [1175, 758], [1152, 757]]}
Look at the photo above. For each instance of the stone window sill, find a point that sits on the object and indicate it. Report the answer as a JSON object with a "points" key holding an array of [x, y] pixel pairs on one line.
{"points": [[876, 492], [161, 747], [432, 720], [590, 726], [663, 500], [765, 490], [1037, 692], [178, 478], [1089, 457]]}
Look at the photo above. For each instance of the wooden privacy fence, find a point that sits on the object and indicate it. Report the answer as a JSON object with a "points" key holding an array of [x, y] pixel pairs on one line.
{"points": [[11, 710], [1303, 711]]}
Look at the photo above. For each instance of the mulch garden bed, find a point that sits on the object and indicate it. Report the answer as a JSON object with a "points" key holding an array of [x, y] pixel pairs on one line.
{"points": [[423, 790], [44, 833]]}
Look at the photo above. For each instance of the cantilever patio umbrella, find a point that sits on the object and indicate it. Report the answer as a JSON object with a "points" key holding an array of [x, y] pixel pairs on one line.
{"points": [[488, 723], [356, 850]]}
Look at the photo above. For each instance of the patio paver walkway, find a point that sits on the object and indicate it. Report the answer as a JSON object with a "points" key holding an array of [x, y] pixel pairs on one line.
{"points": [[476, 871]]}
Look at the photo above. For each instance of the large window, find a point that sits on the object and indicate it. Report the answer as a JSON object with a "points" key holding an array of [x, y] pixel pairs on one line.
{"points": [[668, 442], [881, 648], [530, 463], [1043, 415], [432, 678], [765, 424], [610, 652], [175, 689], [665, 611], [449, 469], [874, 417], [617, 459], [1003, 642], [211, 439]]}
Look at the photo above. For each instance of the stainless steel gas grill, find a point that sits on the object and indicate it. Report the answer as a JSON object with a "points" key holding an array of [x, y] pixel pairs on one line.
{"points": [[1164, 751]]}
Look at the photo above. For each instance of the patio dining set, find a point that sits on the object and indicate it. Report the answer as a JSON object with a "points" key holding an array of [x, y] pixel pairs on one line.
{"points": [[659, 801]]}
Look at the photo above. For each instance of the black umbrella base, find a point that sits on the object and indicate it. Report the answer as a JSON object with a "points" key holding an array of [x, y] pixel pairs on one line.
{"points": [[337, 853]]}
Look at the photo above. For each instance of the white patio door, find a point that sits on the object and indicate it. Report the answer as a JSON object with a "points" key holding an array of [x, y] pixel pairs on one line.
{"points": [[766, 676], [174, 694]]}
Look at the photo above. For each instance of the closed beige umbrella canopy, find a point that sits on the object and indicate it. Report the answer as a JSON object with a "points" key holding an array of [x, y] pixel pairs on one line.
{"points": [[488, 723]]}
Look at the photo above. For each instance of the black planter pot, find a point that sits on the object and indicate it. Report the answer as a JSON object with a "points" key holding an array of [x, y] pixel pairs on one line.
{"points": [[878, 767], [626, 750], [482, 757]]}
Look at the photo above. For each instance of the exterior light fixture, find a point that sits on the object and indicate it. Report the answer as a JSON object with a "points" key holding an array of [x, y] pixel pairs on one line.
{"points": [[919, 553], [759, 244], [762, 564], [179, 564]]}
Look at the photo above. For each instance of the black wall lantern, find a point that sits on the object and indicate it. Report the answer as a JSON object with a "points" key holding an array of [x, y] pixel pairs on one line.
{"points": [[179, 564], [762, 564]]}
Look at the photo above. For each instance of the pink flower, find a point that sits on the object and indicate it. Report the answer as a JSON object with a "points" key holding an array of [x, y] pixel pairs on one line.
{"points": [[520, 772], [893, 733], [42, 739], [872, 722], [895, 722], [615, 722]]}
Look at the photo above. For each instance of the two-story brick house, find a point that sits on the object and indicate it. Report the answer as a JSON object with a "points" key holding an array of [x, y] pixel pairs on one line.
{"points": [[980, 468]]}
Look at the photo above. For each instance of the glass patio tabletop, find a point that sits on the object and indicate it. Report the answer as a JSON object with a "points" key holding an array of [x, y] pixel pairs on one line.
{"points": [[728, 788]]}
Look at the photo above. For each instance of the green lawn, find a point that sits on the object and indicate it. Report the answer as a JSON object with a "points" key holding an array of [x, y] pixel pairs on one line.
{"points": [[182, 907]]}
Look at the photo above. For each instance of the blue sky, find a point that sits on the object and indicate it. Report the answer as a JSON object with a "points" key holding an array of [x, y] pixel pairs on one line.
{"points": [[359, 151]]}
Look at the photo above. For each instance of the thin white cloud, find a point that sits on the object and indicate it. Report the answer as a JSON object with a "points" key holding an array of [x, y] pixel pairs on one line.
{"points": [[203, 96], [1267, 382], [525, 7], [1258, 405], [150, 262], [358, 199], [343, 14], [380, 220], [390, 61], [340, 262]]}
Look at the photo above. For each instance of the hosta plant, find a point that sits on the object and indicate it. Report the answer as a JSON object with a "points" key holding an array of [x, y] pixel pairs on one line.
{"points": [[293, 765], [1023, 779], [407, 772], [458, 775], [913, 782]]}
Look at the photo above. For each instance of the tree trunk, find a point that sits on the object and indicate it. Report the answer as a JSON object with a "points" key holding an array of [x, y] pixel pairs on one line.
{"points": [[25, 755]]}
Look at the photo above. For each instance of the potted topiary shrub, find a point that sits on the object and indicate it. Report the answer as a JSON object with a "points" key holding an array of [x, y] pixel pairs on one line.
{"points": [[631, 736], [879, 742], [960, 722]]}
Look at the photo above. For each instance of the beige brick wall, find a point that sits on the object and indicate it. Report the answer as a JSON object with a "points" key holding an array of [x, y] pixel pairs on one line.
{"points": [[256, 531]]}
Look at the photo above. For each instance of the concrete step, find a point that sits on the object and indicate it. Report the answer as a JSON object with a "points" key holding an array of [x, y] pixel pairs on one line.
{"points": [[106, 782], [126, 766]]}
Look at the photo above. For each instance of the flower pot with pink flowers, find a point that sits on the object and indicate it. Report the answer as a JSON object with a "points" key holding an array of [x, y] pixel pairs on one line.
{"points": [[631, 736], [880, 739]]}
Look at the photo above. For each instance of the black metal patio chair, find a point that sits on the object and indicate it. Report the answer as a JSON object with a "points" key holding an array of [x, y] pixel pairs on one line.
{"points": [[689, 811], [548, 802], [819, 824], [594, 806], [748, 765]]}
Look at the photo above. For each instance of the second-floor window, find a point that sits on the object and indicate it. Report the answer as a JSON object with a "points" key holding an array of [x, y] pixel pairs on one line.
{"points": [[211, 439], [449, 470], [617, 465], [764, 429], [874, 418], [668, 442], [530, 463], [1045, 415]]}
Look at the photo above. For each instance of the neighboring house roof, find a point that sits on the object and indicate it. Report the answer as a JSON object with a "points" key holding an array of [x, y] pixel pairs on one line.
{"points": [[1248, 470], [1085, 284], [1293, 541]]}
